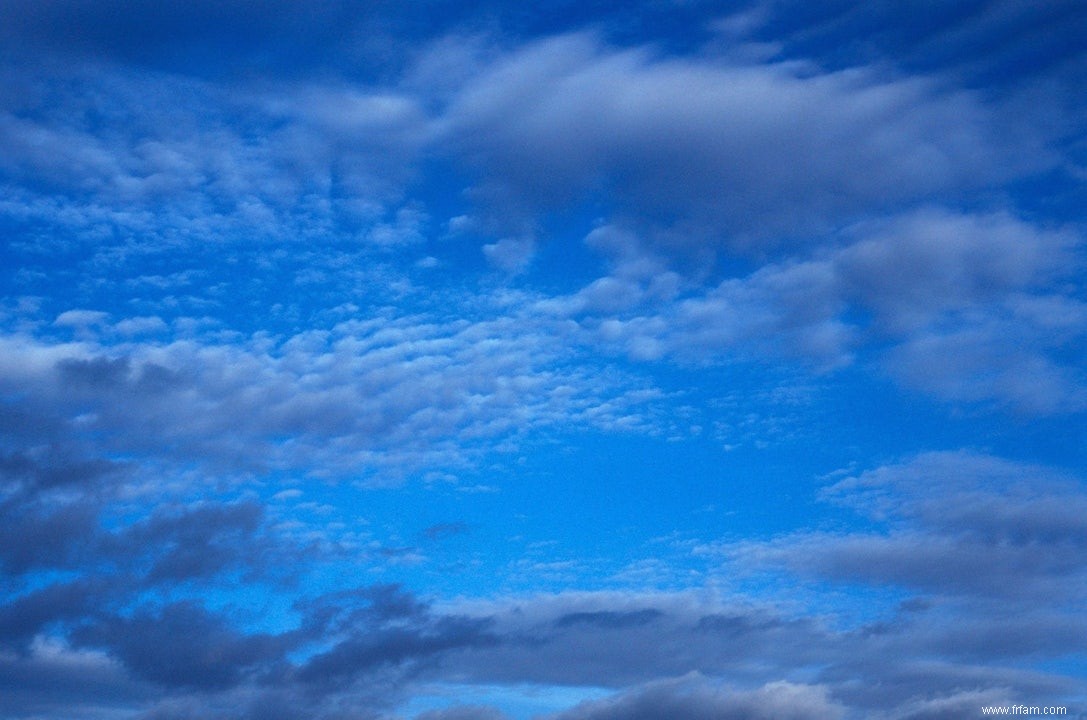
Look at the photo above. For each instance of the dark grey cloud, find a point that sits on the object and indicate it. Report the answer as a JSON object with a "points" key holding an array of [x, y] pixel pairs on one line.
{"points": [[100, 372], [50, 681], [27, 472], [395, 647], [52, 489], [181, 645], [199, 662], [34, 537], [22, 619], [181, 659], [383, 628], [371, 643], [56, 500], [203, 541], [929, 563], [668, 655], [616, 640]]}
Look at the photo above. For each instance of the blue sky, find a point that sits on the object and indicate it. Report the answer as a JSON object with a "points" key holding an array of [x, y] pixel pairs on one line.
{"points": [[571, 361]]}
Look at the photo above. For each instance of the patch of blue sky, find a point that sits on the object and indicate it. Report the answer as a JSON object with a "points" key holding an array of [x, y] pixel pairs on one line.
{"points": [[519, 702]]}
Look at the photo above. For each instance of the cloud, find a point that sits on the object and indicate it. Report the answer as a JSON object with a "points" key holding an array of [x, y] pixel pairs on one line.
{"points": [[181, 645], [992, 42], [80, 318], [202, 541], [992, 362], [958, 705], [51, 678], [942, 510], [194, 661], [396, 647], [23, 618], [970, 307], [710, 149], [910, 269], [620, 639], [959, 524], [179, 162], [140, 326], [463, 712], [663, 655], [51, 492], [511, 255], [697, 698], [609, 619], [392, 393]]}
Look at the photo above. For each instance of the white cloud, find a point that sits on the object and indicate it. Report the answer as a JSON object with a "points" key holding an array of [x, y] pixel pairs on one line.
{"points": [[976, 308], [384, 394], [140, 326], [742, 152], [696, 698], [957, 524], [81, 318], [996, 361], [512, 254], [909, 269]]}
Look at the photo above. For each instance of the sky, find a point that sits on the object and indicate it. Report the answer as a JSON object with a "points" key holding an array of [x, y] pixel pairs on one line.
{"points": [[542, 361]]}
